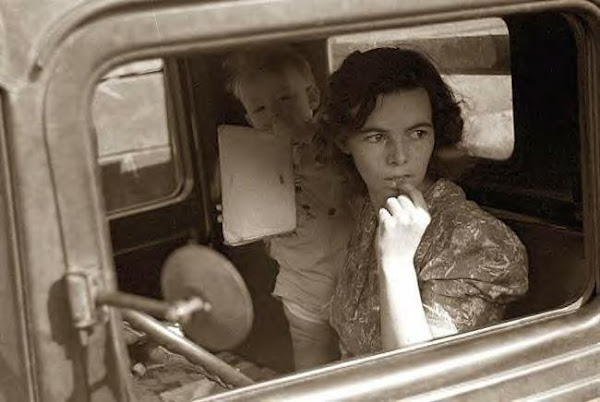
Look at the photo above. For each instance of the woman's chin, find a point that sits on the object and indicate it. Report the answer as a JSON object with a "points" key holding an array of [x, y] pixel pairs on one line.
{"points": [[382, 196]]}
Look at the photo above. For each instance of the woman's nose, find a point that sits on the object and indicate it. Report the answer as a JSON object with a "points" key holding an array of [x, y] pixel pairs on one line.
{"points": [[396, 151]]}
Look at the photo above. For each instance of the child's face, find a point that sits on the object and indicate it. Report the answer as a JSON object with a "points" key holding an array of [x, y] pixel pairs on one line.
{"points": [[278, 98], [394, 145]]}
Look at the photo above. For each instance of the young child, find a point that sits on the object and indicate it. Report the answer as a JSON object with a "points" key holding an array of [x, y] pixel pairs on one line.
{"points": [[279, 94]]}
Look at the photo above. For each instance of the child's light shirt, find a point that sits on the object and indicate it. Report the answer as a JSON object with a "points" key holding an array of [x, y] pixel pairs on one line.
{"points": [[310, 257]]}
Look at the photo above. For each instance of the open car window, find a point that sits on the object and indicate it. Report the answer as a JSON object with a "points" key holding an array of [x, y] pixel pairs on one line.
{"points": [[510, 170]]}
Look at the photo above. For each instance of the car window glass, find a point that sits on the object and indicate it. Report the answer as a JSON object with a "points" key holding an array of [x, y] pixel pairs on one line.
{"points": [[135, 148]]}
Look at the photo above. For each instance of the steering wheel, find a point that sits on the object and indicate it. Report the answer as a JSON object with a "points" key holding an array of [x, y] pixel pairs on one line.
{"points": [[203, 274]]}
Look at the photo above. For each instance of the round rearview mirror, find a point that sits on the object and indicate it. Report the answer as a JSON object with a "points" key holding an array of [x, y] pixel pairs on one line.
{"points": [[198, 271]]}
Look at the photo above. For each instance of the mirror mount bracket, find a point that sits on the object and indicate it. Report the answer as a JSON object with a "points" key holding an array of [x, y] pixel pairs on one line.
{"points": [[83, 286], [89, 301]]}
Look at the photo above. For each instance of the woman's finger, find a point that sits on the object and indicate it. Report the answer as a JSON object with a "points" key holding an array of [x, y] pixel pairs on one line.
{"points": [[397, 210], [384, 214], [415, 196], [406, 204], [386, 221], [393, 206]]}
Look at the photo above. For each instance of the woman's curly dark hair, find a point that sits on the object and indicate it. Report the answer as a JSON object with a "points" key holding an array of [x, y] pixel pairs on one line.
{"points": [[364, 76]]}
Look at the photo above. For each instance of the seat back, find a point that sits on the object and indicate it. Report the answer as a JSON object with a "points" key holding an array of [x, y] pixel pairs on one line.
{"points": [[558, 272]]}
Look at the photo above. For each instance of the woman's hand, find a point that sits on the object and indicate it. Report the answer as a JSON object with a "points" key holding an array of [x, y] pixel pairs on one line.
{"points": [[402, 223]]}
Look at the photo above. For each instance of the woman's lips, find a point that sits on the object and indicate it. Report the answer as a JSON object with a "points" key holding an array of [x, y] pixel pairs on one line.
{"points": [[396, 182]]}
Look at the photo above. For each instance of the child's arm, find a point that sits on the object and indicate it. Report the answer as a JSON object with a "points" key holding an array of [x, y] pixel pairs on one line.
{"points": [[401, 225], [215, 183]]}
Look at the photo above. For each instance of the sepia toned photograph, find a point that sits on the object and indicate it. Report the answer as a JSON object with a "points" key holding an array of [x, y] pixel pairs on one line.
{"points": [[299, 200]]}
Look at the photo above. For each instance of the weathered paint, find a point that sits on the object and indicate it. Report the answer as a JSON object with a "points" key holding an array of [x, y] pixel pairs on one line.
{"points": [[60, 224]]}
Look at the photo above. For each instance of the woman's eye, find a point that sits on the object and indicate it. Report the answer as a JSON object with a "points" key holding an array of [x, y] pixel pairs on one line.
{"points": [[417, 134], [259, 109], [285, 98], [374, 138]]}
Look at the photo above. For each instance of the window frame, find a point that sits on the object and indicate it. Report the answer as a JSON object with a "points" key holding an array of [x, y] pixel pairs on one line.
{"points": [[16, 345], [75, 64]]}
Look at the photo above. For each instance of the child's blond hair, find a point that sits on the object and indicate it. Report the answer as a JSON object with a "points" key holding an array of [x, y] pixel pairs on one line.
{"points": [[271, 59]]}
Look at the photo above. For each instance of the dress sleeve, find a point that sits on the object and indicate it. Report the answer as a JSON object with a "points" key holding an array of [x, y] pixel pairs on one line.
{"points": [[472, 273]]}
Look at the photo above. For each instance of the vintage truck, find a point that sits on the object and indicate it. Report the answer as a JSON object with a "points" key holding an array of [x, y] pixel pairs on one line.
{"points": [[108, 143]]}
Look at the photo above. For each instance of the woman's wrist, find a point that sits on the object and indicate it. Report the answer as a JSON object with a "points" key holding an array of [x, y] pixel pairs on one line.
{"points": [[397, 265], [403, 320]]}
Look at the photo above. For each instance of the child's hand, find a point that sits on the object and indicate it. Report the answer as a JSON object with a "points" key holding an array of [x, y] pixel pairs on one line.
{"points": [[402, 223], [281, 128], [219, 208], [288, 128]]}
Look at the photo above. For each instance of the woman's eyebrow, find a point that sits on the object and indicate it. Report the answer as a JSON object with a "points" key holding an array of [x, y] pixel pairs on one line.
{"points": [[368, 129], [420, 125]]}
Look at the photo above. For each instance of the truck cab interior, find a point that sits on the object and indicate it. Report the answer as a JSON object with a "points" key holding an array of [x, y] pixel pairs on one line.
{"points": [[160, 198]]}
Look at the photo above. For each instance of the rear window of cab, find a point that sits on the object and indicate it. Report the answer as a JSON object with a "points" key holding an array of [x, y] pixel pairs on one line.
{"points": [[474, 59]]}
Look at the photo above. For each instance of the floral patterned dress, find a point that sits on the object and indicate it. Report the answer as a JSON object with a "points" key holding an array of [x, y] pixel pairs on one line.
{"points": [[469, 265]]}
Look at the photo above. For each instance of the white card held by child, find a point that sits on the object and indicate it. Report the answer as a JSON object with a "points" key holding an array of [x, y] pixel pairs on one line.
{"points": [[257, 184]]}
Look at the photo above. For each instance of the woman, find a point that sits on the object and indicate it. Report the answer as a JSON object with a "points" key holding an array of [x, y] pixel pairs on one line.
{"points": [[423, 261]]}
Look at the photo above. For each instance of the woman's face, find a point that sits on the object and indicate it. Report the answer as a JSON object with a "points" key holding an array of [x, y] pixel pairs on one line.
{"points": [[394, 145]]}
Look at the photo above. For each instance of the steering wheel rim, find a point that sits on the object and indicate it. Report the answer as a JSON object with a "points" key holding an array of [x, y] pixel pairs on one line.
{"points": [[198, 271]]}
